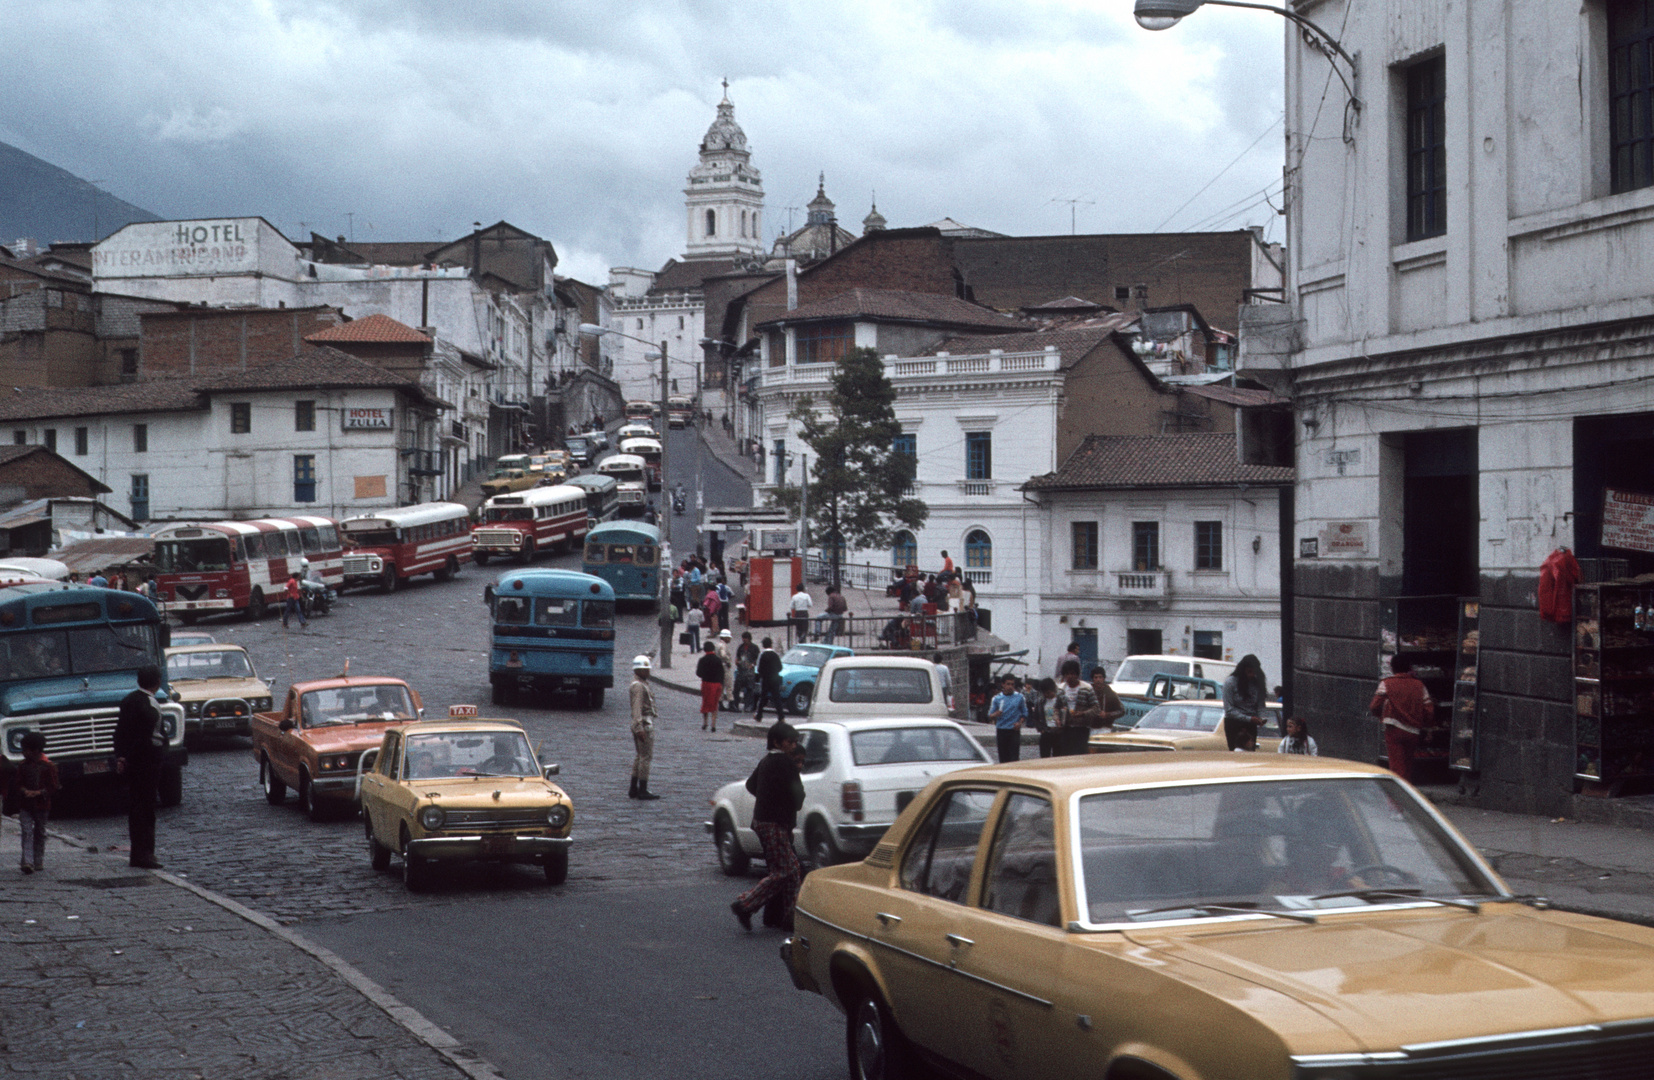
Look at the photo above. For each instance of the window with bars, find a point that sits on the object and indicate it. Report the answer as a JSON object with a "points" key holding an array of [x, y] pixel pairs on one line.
{"points": [[304, 416], [1631, 92], [1208, 545], [241, 417], [140, 438], [1427, 149], [1145, 545], [979, 550], [304, 478], [904, 551], [83, 438], [824, 343], [1085, 545], [979, 455]]}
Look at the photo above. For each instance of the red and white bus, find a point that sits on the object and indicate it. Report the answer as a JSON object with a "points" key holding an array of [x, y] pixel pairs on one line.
{"points": [[242, 565], [525, 523], [388, 547]]}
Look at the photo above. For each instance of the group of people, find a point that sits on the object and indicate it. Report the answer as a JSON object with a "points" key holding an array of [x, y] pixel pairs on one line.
{"points": [[114, 578], [700, 595], [1064, 713]]}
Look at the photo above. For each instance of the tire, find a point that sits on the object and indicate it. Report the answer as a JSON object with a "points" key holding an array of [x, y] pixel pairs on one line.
{"points": [[256, 607], [379, 856], [527, 554], [799, 701], [172, 785], [594, 698], [275, 788], [387, 579], [875, 1046], [313, 808], [480, 558], [187, 617], [414, 875], [557, 867], [819, 843], [499, 694], [449, 570], [732, 858]]}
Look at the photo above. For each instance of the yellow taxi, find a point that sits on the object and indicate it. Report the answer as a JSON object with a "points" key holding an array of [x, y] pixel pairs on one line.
{"points": [[463, 789], [1208, 916], [1183, 725]]}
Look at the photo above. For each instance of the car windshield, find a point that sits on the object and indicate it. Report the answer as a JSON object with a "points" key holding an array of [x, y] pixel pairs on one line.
{"points": [[1142, 670], [468, 753], [1181, 718], [356, 704], [192, 556], [881, 686], [891, 746], [807, 656], [217, 664], [1168, 852]]}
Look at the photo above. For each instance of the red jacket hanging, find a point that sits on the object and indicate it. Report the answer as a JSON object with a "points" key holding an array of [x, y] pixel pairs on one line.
{"points": [[1557, 577]]}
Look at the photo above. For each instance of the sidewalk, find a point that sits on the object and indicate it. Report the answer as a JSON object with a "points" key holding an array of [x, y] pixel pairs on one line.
{"points": [[722, 447], [107, 971]]}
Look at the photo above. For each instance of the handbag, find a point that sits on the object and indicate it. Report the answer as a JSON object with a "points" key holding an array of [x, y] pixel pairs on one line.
{"points": [[683, 637]]}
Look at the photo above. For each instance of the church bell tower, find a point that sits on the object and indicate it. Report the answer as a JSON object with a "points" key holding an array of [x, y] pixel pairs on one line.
{"points": [[725, 196]]}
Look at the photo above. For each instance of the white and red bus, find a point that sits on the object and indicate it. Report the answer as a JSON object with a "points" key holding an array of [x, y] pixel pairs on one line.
{"points": [[388, 547], [525, 523], [221, 566]]}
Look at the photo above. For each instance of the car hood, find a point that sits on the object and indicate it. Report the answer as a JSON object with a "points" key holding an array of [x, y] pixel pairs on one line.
{"points": [[67, 692], [206, 689], [477, 792], [347, 737], [789, 672], [1155, 738], [1397, 978]]}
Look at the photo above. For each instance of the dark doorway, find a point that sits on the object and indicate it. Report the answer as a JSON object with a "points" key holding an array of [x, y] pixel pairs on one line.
{"points": [[1439, 514], [1610, 452], [1143, 643]]}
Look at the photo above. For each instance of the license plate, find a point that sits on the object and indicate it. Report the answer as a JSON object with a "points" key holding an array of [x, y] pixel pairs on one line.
{"points": [[498, 845], [90, 768]]}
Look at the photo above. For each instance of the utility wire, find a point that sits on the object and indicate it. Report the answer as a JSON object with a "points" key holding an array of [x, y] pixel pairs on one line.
{"points": [[1221, 171]]}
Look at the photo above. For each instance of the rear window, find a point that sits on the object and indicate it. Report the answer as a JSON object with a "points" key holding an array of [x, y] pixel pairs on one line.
{"points": [[892, 746], [599, 613], [556, 611], [881, 686]]}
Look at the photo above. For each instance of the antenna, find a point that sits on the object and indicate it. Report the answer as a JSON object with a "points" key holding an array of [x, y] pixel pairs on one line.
{"points": [[1073, 204]]}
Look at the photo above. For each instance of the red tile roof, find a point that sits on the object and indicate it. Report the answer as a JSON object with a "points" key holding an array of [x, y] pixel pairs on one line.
{"points": [[897, 305], [1244, 397], [379, 329], [1206, 459]]}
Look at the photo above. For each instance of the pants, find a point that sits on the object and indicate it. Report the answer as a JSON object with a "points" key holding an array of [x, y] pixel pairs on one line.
{"points": [[728, 696], [833, 622], [291, 607], [644, 740], [783, 874], [801, 627], [1240, 734], [1073, 741], [770, 691], [142, 780], [1048, 743], [1400, 746], [34, 836], [1009, 741], [746, 689], [694, 639]]}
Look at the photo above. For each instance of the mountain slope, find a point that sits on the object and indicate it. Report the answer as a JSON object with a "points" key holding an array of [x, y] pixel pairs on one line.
{"points": [[41, 201]]}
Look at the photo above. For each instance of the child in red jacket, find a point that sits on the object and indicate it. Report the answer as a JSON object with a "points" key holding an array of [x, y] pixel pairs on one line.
{"points": [[36, 780]]}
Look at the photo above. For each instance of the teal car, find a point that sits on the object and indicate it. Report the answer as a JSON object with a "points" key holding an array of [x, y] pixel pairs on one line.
{"points": [[799, 667]]}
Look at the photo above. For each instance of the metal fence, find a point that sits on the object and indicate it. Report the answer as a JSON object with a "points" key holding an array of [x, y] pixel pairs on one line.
{"points": [[889, 633]]}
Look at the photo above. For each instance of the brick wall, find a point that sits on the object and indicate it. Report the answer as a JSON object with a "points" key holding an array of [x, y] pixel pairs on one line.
{"points": [[917, 263], [44, 475], [218, 339], [1336, 641], [1524, 711]]}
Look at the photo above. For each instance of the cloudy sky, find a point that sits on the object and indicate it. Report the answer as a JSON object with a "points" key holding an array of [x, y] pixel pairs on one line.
{"points": [[410, 119]]}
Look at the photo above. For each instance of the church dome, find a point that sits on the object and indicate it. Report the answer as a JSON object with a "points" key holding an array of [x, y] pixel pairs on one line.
{"points": [[725, 133]]}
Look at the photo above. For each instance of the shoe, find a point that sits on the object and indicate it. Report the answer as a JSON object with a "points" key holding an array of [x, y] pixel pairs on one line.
{"points": [[646, 795], [632, 791], [26, 868], [145, 864], [742, 917]]}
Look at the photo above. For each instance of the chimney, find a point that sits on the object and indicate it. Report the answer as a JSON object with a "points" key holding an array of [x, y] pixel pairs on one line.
{"points": [[792, 284]]}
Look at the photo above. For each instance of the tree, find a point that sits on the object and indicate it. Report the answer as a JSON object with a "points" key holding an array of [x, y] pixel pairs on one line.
{"points": [[860, 485]]}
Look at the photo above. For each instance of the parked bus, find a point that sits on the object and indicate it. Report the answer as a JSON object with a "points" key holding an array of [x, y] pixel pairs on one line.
{"points": [[649, 450], [388, 547], [552, 630], [679, 411], [528, 522], [626, 554], [645, 411], [218, 566], [68, 655], [625, 468], [601, 497]]}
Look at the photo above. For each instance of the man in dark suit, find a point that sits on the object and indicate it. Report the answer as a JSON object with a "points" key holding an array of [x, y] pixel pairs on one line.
{"points": [[769, 682], [138, 742]]}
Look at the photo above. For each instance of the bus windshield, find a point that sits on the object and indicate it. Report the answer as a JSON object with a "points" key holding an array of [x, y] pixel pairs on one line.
{"points": [[511, 513], [371, 537], [192, 556], [89, 650]]}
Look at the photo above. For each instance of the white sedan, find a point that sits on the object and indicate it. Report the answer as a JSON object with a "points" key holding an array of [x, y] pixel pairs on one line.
{"points": [[858, 775]]}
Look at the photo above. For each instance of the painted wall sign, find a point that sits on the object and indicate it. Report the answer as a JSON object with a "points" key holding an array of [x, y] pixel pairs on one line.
{"points": [[179, 247], [1627, 520], [1347, 538], [359, 418]]}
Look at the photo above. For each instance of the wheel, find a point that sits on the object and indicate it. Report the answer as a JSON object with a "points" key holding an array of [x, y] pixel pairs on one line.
{"points": [[557, 867], [256, 607], [387, 579], [876, 1048], [527, 554], [594, 698], [799, 702], [187, 617], [379, 856], [414, 875], [307, 797], [275, 789], [732, 858], [818, 841], [498, 694], [172, 785], [449, 569], [480, 558]]}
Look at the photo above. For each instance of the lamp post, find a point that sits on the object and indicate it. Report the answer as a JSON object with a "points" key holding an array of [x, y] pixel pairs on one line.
{"points": [[664, 572]]}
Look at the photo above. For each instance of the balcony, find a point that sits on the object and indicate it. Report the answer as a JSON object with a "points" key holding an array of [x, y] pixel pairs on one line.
{"points": [[1142, 588], [993, 363], [975, 487]]}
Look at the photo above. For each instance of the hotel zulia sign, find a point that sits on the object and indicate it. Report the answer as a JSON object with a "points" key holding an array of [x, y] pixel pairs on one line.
{"points": [[367, 419]]}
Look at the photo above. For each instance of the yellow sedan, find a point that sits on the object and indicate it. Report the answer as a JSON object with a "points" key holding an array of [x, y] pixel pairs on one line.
{"points": [[1207, 916], [1182, 725]]}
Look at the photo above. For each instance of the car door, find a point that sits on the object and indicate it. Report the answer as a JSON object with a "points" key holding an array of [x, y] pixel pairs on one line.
{"points": [[284, 745], [919, 921], [374, 789]]}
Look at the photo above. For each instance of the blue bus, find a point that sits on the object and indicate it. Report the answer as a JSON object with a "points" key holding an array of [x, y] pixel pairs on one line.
{"points": [[68, 655], [552, 630], [626, 554]]}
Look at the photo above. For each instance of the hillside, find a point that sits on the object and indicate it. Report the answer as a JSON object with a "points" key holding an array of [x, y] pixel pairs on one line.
{"points": [[41, 201]]}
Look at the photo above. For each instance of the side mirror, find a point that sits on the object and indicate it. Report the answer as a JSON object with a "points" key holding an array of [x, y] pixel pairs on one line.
{"points": [[553, 770], [421, 712], [288, 725]]}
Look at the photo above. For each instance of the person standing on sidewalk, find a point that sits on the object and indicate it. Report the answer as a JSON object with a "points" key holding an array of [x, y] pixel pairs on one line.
{"points": [[1107, 699], [36, 780], [138, 742], [1008, 710], [1076, 708], [710, 670], [1405, 706], [769, 683], [800, 607], [778, 793], [692, 620], [746, 672], [290, 603], [1041, 696], [1245, 697], [833, 617], [728, 660], [644, 715]]}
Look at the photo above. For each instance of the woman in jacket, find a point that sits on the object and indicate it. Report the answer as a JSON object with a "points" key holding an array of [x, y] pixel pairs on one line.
{"points": [[1245, 694], [778, 793]]}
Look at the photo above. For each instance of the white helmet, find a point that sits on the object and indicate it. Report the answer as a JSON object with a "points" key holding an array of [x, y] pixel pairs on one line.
{"points": [[641, 663]]}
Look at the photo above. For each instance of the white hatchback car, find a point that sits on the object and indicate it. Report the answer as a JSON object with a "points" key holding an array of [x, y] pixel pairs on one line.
{"points": [[858, 775]]}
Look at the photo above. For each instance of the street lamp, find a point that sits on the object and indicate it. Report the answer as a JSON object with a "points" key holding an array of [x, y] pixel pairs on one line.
{"points": [[663, 572]]}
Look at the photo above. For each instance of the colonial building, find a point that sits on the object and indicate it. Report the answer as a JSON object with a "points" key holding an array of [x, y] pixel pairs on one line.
{"points": [[1469, 345]]}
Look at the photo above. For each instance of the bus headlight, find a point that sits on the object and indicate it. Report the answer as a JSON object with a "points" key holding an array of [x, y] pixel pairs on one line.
{"points": [[431, 818], [169, 726], [14, 739], [557, 816]]}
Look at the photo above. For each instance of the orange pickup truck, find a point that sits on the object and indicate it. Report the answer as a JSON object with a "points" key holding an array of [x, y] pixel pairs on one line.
{"points": [[314, 743]]}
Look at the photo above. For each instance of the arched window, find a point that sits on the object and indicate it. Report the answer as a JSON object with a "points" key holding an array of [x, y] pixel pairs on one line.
{"points": [[712, 223], [979, 550], [905, 551], [743, 223]]}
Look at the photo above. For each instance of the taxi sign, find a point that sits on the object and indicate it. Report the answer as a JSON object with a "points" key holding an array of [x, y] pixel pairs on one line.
{"points": [[458, 711]]}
